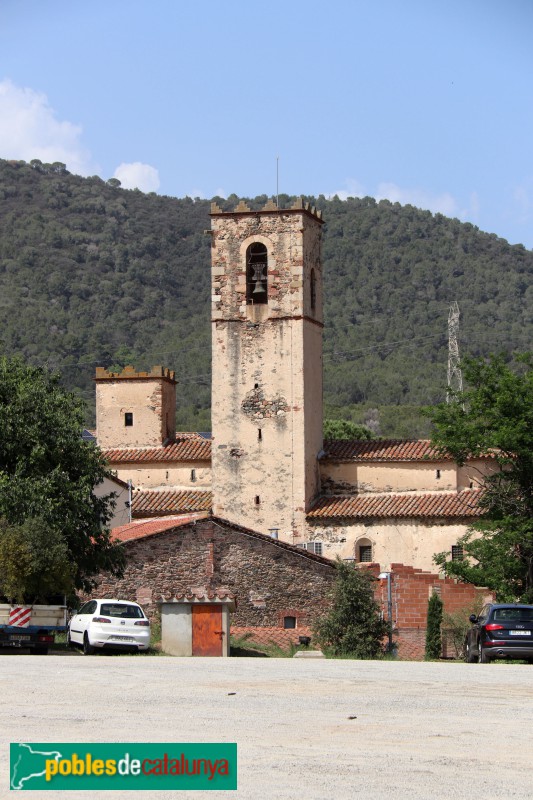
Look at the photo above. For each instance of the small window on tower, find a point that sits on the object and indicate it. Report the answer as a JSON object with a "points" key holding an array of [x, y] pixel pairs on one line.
{"points": [[437, 473], [259, 434], [257, 500], [128, 419], [289, 622], [256, 274], [193, 475]]}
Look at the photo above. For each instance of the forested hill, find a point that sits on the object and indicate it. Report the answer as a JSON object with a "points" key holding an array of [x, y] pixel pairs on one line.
{"points": [[92, 274]]}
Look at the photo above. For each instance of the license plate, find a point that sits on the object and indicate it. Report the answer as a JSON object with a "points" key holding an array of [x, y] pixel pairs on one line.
{"points": [[520, 633], [18, 637], [124, 638]]}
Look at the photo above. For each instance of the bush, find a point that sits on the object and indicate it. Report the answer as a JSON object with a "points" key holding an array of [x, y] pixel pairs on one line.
{"points": [[354, 626], [433, 632]]}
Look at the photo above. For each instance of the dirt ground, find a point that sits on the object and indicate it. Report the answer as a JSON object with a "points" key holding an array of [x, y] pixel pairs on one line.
{"points": [[305, 728]]}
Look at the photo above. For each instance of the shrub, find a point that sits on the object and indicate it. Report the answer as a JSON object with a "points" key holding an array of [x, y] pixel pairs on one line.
{"points": [[354, 626]]}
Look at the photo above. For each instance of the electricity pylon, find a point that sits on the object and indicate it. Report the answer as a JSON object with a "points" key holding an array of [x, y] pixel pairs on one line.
{"points": [[455, 376]]}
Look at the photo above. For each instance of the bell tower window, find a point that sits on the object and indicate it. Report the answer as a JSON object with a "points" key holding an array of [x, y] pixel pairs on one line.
{"points": [[256, 274]]}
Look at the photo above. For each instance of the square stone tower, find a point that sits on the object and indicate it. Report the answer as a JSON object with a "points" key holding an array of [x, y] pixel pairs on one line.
{"points": [[135, 409], [267, 365]]}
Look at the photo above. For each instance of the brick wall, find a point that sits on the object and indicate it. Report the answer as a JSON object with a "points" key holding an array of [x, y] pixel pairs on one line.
{"points": [[411, 590]]}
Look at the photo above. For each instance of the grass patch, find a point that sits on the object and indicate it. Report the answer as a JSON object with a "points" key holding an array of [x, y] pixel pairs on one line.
{"points": [[245, 646]]}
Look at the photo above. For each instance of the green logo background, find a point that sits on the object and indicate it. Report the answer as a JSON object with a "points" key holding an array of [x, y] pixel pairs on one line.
{"points": [[28, 765]]}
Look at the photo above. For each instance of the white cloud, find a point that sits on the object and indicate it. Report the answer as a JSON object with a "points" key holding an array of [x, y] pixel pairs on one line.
{"points": [[437, 203], [29, 129], [138, 176], [354, 189]]}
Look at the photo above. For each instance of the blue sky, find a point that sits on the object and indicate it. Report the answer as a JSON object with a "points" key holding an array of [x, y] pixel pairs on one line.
{"points": [[426, 102]]}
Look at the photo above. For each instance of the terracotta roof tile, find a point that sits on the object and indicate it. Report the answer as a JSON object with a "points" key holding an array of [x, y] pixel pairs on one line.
{"points": [[157, 502], [382, 450], [204, 594], [408, 504], [142, 528], [190, 447]]}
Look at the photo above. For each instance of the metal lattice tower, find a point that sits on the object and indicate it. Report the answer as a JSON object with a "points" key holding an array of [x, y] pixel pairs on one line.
{"points": [[455, 376]]}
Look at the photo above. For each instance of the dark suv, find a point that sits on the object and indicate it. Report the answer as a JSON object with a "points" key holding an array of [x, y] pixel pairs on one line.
{"points": [[502, 630]]}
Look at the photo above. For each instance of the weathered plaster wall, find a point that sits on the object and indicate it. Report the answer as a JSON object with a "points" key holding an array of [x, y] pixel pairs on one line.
{"points": [[267, 372], [410, 541], [150, 397], [158, 475]]}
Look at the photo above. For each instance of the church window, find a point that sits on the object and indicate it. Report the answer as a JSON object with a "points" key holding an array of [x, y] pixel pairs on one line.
{"points": [[256, 274], [193, 475], [128, 419], [259, 434], [457, 552], [437, 473], [257, 500], [363, 551]]}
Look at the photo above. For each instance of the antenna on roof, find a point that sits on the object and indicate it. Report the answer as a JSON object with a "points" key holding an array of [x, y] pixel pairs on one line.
{"points": [[277, 181], [455, 376]]}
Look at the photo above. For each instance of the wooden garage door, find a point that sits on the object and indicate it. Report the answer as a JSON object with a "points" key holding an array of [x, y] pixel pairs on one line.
{"points": [[206, 630]]}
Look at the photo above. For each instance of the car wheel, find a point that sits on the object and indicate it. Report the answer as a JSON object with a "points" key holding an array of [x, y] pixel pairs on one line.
{"points": [[88, 649], [482, 655], [469, 656]]}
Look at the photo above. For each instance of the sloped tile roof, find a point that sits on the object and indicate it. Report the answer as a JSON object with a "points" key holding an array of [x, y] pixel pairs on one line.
{"points": [[141, 528], [189, 447], [157, 502], [382, 450], [376, 506]]}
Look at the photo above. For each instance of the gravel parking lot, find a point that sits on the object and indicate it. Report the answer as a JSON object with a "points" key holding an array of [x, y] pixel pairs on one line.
{"points": [[305, 728]]}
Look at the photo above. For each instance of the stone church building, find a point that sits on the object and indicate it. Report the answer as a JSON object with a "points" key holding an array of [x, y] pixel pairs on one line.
{"points": [[265, 486]]}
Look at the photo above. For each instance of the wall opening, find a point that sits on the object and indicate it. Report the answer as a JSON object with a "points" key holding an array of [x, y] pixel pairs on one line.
{"points": [[363, 551], [128, 419], [312, 285], [289, 622], [457, 552], [256, 274]]}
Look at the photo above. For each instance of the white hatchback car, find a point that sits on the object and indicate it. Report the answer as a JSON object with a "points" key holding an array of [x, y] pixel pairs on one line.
{"points": [[110, 624]]}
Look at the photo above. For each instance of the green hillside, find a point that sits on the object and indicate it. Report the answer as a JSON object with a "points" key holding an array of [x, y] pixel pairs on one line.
{"points": [[95, 275]]}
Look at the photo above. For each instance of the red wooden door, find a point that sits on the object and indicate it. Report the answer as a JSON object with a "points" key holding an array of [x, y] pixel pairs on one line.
{"points": [[207, 633]]}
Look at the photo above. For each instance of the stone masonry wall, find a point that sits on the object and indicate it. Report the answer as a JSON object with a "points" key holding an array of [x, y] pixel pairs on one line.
{"points": [[268, 580]]}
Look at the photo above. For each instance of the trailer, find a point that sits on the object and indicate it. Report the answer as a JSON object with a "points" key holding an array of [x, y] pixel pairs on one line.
{"points": [[32, 627]]}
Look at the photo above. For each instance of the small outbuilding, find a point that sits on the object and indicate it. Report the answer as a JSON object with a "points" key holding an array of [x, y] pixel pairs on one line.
{"points": [[197, 624]]}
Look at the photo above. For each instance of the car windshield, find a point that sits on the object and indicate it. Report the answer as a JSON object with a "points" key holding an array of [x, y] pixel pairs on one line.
{"points": [[121, 610], [513, 614]]}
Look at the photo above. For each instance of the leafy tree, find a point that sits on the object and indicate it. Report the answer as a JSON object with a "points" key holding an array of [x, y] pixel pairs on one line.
{"points": [[495, 415], [47, 477], [353, 627], [344, 429], [433, 630], [35, 561]]}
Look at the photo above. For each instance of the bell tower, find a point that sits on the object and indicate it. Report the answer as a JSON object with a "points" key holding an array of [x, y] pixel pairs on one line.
{"points": [[267, 365]]}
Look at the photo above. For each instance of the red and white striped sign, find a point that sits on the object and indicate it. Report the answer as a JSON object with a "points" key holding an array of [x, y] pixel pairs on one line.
{"points": [[19, 616]]}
